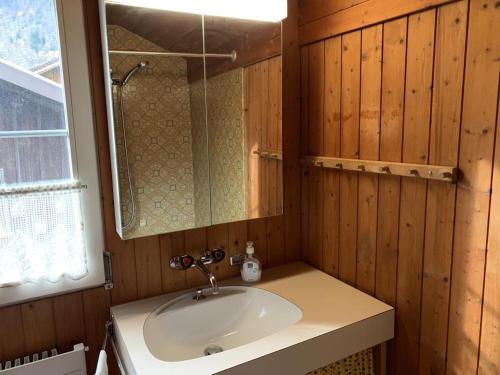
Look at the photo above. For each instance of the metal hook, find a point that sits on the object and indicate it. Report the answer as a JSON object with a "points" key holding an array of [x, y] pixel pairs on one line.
{"points": [[338, 165], [413, 172], [385, 169]]}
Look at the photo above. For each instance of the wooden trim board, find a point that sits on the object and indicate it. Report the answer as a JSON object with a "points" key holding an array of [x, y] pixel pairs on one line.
{"points": [[361, 15]]}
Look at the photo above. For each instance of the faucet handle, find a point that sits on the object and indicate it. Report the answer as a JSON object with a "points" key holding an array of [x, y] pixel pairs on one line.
{"points": [[181, 262], [219, 254], [212, 256]]}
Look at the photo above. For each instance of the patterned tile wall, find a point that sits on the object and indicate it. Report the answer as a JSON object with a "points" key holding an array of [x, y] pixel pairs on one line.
{"points": [[226, 145], [200, 160], [159, 139]]}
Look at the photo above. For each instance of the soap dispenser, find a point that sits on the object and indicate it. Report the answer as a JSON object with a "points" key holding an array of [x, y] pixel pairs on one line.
{"points": [[251, 267]]}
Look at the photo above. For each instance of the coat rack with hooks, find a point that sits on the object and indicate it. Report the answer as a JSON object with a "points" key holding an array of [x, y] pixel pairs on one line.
{"points": [[277, 155], [430, 172]]}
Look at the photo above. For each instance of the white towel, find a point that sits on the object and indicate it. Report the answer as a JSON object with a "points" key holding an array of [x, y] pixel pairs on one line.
{"points": [[102, 364]]}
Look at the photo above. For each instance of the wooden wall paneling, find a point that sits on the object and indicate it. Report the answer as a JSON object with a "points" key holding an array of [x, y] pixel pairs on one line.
{"points": [[364, 14], [11, 340], [489, 354], [310, 10], [479, 111], [252, 141], [250, 146], [275, 243], [430, 222], [124, 268], [262, 94], [272, 129], [263, 132], [148, 266], [261, 122], [96, 303], [369, 141], [331, 147], [278, 95], [413, 192], [257, 232], [291, 133], [315, 147], [391, 140], [195, 242], [276, 81], [279, 188], [69, 323], [349, 148], [444, 140], [304, 150], [38, 325], [172, 244], [217, 239], [236, 242]]}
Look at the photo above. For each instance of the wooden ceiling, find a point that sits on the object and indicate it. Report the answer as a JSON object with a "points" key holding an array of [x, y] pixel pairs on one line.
{"points": [[182, 32]]}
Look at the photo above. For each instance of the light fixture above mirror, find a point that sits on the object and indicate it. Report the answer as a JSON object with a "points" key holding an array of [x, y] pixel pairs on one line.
{"points": [[258, 10]]}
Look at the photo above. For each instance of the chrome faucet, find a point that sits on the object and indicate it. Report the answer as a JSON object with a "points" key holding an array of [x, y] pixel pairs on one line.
{"points": [[184, 262], [211, 277]]}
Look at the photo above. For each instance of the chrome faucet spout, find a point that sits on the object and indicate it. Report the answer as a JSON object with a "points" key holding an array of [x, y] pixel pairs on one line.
{"points": [[210, 276], [213, 283], [186, 261]]}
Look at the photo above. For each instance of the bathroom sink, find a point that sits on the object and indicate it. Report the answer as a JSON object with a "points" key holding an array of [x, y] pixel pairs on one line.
{"points": [[184, 328], [293, 321]]}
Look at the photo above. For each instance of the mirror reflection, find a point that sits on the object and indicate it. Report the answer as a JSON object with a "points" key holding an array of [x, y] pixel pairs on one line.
{"points": [[244, 119], [195, 119], [159, 121]]}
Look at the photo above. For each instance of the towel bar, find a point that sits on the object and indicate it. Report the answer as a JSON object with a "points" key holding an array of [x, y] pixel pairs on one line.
{"points": [[109, 336]]}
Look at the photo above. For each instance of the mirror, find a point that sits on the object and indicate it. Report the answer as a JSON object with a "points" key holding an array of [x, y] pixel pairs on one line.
{"points": [[244, 119], [194, 114]]}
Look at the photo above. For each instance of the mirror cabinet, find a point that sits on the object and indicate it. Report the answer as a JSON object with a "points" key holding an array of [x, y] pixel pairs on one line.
{"points": [[194, 114]]}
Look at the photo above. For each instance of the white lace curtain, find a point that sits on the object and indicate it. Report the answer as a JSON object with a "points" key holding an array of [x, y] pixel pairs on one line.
{"points": [[41, 236]]}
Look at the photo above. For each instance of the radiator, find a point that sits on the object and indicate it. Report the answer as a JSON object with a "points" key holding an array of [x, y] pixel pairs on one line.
{"points": [[70, 363]]}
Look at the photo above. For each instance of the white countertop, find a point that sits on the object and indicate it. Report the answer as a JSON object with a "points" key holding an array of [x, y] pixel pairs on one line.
{"points": [[338, 320]]}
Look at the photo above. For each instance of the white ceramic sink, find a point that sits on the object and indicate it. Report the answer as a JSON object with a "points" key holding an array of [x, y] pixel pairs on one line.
{"points": [[183, 328], [293, 321]]}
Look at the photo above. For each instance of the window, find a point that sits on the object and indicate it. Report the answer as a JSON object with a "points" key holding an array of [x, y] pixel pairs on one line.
{"points": [[51, 238]]}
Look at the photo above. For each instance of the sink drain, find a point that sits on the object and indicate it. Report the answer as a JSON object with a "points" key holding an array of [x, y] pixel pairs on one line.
{"points": [[212, 349]]}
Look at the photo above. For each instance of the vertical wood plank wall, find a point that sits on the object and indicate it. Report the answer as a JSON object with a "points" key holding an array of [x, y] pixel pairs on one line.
{"points": [[263, 121], [141, 266], [417, 82], [393, 80]]}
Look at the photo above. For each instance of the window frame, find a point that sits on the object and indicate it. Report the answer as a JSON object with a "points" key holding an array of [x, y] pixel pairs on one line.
{"points": [[83, 151]]}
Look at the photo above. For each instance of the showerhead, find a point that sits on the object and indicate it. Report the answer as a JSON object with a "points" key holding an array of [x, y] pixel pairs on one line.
{"points": [[131, 72]]}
